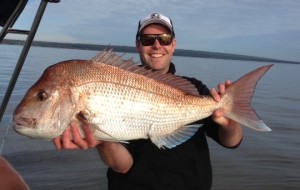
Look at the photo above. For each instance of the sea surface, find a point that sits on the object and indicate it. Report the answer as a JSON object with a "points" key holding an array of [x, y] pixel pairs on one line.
{"points": [[264, 160]]}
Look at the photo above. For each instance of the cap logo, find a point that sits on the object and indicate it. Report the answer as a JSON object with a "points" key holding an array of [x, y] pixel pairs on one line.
{"points": [[155, 15]]}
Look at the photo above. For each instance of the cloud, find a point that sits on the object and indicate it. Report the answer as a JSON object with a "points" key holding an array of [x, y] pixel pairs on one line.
{"points": [[208, 19], [242, 18], [198, 24]]}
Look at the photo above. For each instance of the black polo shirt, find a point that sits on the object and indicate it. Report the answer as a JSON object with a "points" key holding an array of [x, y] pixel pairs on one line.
{"points": [[186, 166]]}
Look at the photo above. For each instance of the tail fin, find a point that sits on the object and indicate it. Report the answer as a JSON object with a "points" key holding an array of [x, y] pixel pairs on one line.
{"points": [[241, 92]]}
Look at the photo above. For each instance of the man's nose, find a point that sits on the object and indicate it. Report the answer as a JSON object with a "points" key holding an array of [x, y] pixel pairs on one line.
{"points": [[156, 44]]}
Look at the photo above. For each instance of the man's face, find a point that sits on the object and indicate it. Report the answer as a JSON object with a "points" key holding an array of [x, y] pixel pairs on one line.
{"points": [[156, 56]]}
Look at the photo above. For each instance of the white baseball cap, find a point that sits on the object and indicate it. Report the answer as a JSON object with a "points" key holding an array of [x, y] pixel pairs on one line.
{"points": [[155, 18]]}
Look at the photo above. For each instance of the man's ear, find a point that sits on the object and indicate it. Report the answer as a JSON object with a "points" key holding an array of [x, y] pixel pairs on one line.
{"points": [[174, 44], [137, 44]]}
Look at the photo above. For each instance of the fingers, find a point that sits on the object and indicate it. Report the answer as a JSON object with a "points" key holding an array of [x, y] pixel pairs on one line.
{"points": [[78, 141], [68, 139], [219, 114], [227, 83], [90, 138], [221, 90], [222, 86], [217, 95], [57, 143], [72, 138], [65, 141], [218, 117], [214, 93]]}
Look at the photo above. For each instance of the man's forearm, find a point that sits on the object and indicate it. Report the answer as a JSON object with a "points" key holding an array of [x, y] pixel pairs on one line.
{"points": [[115, 156]]}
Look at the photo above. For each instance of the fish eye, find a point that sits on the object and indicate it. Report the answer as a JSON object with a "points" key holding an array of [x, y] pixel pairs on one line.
{"points": [[42, 96]]}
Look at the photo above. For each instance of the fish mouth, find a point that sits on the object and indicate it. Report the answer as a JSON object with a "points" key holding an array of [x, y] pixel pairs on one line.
{"points": [[24, 122], [20, 129]]}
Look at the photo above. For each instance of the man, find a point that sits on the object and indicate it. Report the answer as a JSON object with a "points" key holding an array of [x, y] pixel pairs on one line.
{"points": [[140, 164]]}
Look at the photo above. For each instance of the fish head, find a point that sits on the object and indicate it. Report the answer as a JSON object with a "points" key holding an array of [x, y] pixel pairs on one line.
{"points": [[46, 109]]}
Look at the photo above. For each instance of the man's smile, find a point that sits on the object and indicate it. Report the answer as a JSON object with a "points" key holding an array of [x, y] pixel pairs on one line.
{"points": [[156, 55]]}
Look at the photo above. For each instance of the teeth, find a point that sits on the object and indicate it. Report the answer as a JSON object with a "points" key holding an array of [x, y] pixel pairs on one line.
{"points": [[156, 55]]}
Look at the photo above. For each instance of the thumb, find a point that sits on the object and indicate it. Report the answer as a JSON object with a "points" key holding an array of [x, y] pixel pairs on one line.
{"points": [[219, 117]]}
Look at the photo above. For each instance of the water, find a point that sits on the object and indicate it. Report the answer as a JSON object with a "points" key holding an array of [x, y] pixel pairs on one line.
{"points": [[268, 160]]}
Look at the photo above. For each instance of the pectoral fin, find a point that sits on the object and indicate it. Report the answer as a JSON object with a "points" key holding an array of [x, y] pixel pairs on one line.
{"points": [[85, 117]]}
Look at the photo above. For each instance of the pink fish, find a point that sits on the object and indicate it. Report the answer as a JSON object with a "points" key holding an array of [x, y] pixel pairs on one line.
{"points": [[122, 101]]}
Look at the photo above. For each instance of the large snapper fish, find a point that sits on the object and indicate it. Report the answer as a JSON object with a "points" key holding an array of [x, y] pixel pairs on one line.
{"points": [[122, 101]]}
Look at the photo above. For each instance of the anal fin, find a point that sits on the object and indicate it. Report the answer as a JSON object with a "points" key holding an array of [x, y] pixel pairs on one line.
{"points": [[178, 137]]}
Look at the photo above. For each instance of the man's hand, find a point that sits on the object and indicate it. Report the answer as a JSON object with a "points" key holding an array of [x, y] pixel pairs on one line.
{"points": [[71, 138], [113, 154], [230, 132]]}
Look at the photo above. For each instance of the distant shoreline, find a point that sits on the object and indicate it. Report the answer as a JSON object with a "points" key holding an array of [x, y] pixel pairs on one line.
{"points": [[130, 49]]}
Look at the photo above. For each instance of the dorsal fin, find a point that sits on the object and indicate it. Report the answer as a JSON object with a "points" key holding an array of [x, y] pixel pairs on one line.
{"points": [[110, 58]]}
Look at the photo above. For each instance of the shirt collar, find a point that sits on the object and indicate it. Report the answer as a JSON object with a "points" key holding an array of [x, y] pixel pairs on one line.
{"points": [[172, 69]]}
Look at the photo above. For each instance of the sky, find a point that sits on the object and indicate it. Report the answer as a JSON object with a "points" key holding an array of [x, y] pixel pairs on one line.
{"points": [[264, 28]]}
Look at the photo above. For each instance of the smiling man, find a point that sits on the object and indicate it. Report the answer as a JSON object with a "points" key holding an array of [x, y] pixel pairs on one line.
{"points": [[155, 41], [140, 164]]}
